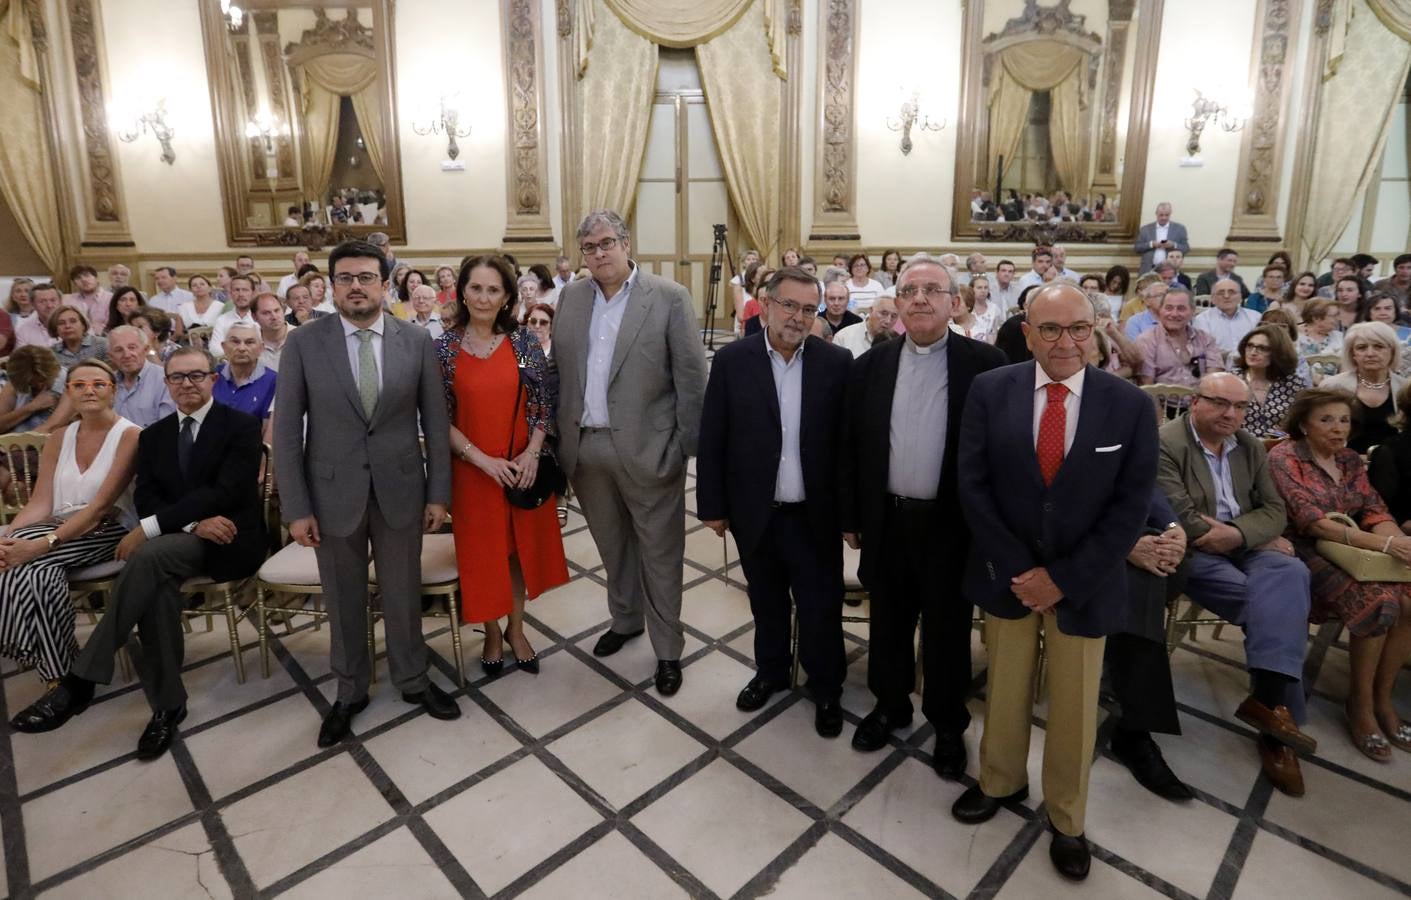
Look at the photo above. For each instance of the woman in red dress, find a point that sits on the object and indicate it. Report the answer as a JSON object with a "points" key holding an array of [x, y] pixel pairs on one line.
{"points": [[503, 396]]}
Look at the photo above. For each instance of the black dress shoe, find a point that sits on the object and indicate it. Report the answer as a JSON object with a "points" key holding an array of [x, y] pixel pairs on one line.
{"points": [[530, 665], [437, 703], [339, 721], [61, 703], [872, 732], [756, 694], [1070, 855], [1142, 757], [828, 718], [975, 806], [158, 734], [612, 641], [668, 676], [948, 759], [492, 667]]}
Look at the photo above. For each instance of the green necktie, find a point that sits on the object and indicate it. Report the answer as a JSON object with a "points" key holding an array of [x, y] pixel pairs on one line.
{"points": [[367, 372]]}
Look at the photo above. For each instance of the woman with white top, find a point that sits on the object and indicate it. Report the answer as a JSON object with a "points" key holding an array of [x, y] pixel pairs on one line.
{"points": [[862, 287], [79, 511], [989, 315], [202, 309]]}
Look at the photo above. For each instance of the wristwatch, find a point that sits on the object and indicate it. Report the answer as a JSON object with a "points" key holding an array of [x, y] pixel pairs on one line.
{"points": [[53, 540], [1170, 525]]}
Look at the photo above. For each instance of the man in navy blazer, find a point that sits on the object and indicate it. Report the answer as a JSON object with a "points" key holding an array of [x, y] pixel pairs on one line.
{"points": [[899, 505], [1156, 239], [767, 469], [1057, 465]]}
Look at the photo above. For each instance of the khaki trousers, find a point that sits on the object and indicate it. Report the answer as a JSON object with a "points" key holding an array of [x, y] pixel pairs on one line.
{"points": [[1074, 672]]}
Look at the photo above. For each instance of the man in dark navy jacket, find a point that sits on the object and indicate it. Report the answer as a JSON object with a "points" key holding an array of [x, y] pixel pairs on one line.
{"points": [[1057, 465], [767, 469], [899, 504]]}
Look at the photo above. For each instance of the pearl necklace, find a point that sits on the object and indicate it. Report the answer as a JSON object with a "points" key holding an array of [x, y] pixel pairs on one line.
{"points": [[1372, 385]]}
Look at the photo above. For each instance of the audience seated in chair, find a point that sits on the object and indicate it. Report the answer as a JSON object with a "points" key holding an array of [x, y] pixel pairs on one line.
{"points": [[1216, 476], [197, 493], [1175, 352], [1318, 475]]}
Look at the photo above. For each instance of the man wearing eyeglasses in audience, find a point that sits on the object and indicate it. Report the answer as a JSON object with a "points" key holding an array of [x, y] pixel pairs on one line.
{"points": [[898, 504], [1242, 568], [1176, 352], [198, 495], [768, 471], [881, 320]]}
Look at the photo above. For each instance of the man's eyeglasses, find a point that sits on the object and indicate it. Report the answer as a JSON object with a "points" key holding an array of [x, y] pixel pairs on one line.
{"points": [[605, 245], [932, 292], [790, 309], [366, 279], [175, 378], [1078, 331], [79, 387], [1220, 403]]}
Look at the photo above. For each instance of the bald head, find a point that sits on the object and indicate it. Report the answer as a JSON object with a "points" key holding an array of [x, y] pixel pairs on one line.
{"points": [[1218, 407], [1219, 384], [1058, 329]]}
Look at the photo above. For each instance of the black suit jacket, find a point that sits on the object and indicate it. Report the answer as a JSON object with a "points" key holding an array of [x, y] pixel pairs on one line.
{"points": [[225, 466], [867, 433], [1081, 527], [740, 443]]}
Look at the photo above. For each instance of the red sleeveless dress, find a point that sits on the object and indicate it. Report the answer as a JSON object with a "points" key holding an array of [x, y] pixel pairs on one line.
{"points": [[487, 529]]}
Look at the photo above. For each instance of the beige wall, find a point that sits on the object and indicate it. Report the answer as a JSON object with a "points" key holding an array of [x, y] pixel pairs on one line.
{"points": [[154, 50]]}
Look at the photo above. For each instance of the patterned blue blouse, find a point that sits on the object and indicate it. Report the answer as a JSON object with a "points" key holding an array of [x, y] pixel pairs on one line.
{"points": [[537, 373]]}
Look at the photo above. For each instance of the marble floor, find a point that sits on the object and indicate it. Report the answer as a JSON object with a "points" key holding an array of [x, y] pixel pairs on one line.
{"points": [[582, 782]]}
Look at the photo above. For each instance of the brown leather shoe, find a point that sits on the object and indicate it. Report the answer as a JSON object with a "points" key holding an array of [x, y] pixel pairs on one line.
{"points": [[1277, 723], [1281, 766]]}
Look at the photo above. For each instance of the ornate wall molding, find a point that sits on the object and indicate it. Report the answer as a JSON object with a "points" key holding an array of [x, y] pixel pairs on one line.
{"points": [[527, 157], [791, 169], [1261, 147], [1119, 23], [835, 179], [100, 209]]}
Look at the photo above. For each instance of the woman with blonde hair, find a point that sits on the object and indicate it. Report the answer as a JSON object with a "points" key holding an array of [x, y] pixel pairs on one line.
{"points": [[1371, 355]]}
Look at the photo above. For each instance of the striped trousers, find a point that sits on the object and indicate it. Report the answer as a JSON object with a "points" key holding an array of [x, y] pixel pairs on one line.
{"points": [[36, 614]]}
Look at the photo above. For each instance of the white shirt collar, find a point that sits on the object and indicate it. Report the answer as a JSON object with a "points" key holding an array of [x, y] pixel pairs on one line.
{"points": [[349, 329], [627, 283], [775, 354], [1073, 382], [930, 348], [199, 415]]}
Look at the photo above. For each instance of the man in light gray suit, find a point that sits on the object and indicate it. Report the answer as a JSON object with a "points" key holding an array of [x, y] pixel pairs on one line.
{"points": [[632, 380], [351, 390], [1157, 238]]}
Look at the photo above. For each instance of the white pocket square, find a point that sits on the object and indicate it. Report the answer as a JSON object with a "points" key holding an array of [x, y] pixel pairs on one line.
{"points": [[1108, 449]]}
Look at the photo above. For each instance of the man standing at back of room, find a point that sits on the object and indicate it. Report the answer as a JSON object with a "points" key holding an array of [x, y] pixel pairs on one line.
{"points": [[632, 380]]}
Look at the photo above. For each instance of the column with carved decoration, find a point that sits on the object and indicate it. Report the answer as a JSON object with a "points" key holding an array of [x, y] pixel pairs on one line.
{"points": [[527, 158], [835, 174], [1262, 144]]}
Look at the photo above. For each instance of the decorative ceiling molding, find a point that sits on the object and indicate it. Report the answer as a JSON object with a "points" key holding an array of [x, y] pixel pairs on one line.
{"points": [[1045, 23]]}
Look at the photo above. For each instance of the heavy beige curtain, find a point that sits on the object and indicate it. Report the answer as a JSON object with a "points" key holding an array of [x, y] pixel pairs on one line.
{"points": [[746, 101], [614, 109], [1354, 119], [1395, 15], [1009, 115], [325, 80], [683, 23], [1066, 135], [1039, 66], [26, 171]]}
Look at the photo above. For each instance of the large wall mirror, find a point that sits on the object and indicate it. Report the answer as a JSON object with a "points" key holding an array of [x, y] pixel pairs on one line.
{"points": [[302, 93], [1055, 104]]}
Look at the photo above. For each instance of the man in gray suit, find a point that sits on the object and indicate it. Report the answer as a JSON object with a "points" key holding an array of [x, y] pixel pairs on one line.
{"points": [[350, 470], [632, 381], [1156, 239]]}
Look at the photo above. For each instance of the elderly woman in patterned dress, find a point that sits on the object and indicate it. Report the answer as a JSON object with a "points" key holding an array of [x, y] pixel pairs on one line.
{"points": [[1317, 474]]}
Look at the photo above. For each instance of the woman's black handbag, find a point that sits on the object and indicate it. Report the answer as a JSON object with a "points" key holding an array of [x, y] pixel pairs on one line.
{"points": [[550, 479]]}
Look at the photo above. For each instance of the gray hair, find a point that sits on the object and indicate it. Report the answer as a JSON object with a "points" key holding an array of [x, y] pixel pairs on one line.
{"points": [[379, 239], [833, 275], [115, 333], [1180, 289], [1377, 332], [244, 326], [597, 219]]}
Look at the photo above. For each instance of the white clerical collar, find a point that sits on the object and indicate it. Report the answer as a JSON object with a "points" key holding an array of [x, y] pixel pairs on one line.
{"points": [[929, 348]]}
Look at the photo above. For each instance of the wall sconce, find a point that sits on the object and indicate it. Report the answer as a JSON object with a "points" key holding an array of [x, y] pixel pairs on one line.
{"points": [[266, 126], [448, 123], [913, 117], [1207, 109], [234, 15], [154, 122]]}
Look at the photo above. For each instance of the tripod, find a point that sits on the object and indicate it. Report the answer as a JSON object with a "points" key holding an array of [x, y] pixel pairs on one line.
{"points": [[720, 250]]}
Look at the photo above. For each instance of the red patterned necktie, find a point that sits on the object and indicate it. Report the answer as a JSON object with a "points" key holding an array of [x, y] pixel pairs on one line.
{"points": [[1051, 428]]}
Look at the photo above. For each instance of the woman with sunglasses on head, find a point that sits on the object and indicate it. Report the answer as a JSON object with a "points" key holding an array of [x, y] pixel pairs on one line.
{"points": [[79, 510]]}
